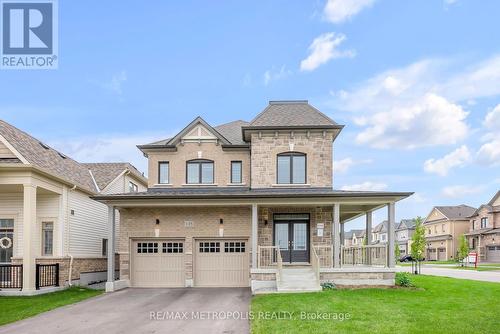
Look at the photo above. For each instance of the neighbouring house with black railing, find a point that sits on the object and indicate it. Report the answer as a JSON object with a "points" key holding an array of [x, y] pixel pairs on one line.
{"points": [[51, 231]]}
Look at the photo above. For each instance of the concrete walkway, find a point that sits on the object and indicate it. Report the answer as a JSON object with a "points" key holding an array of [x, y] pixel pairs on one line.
{"points": [[194, 310], [487, 276]]}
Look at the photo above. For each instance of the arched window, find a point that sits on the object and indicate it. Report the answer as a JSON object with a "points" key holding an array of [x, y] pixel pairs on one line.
{"points": [[200, 171], [291, 168]]}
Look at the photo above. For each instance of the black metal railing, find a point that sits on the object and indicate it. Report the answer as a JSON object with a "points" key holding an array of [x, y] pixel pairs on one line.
{"points": [[11, 276], [47, 275]]}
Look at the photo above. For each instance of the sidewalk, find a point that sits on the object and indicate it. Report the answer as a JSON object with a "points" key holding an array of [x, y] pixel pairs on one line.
{"points": [[486, 276]]}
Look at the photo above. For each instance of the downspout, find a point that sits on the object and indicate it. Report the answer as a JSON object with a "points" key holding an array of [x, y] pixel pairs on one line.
{"points": [[69, 235]]}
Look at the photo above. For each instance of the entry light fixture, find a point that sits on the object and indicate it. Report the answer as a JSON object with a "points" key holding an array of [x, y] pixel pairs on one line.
{"points": [[221, 221], [157, 221], [265, 221]]}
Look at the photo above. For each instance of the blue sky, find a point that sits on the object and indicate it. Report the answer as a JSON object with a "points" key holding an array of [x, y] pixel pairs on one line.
{"points": [[417, 84]]}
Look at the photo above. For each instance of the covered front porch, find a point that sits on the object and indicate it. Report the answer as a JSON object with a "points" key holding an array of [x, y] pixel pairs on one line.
{"points": [[310, 238]]}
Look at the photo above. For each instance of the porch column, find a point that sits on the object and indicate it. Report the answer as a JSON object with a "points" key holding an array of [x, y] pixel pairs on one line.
{"points": [[110, 284], [336, 235], [255, 221], [342, 232], [391, 211], [29, 229], [369, 215]]}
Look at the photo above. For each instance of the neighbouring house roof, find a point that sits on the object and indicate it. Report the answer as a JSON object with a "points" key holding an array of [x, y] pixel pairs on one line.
{"points": [[291, 113], [481, 231], [105, 172], [357, 233], [458, 212], [46, 158], [493, 200], [406, 224], [489, 205], [439, 237]]}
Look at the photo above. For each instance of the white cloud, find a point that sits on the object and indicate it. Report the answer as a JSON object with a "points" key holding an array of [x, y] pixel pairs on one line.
{"points": [[338, 11], [459, 191], [489, 153], [432, 120], [276, 74], [113, 148], [492, 119], [342, 166], [323, 49], [116, 82], [459, 157], [365, 186]]}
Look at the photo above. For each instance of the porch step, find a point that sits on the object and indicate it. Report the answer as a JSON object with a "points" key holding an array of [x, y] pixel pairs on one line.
{"points": [[300, 279]]}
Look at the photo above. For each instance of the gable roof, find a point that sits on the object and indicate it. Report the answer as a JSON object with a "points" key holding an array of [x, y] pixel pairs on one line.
{"points": [[457, 212], [406, 224], [494, 199], [358, 233], [105, 172], [232, 131], [46, 158]]}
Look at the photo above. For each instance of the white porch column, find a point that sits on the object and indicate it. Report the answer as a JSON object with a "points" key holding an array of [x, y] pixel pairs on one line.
{"points": [[29, 230], [336, 235], [391, 211], [342, 233], [255, 222], [110, 284], [369, 216]]}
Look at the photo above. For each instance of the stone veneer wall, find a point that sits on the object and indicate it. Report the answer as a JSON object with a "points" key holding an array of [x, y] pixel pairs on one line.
{"points": [[359, 278], [319, 152]]}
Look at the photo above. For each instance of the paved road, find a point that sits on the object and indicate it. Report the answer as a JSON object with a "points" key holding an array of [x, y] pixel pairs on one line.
{"points": [[487, 276], [130, 311]]}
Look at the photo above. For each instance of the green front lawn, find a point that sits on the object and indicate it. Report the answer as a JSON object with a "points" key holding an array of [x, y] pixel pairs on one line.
{"points": [[438, 305], [407, 264], [17, 308]]}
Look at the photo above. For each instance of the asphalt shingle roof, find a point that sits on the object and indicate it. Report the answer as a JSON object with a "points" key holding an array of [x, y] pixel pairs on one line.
{"points": [[457, 212], [105, 172], [291, 113], [232, 131]]}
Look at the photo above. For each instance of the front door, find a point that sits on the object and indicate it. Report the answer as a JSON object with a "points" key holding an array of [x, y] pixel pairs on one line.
{"points": [[292, 237]]}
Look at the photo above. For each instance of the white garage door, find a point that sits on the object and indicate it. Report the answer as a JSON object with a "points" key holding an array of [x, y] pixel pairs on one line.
{"points": [[442, 254], [158, 263], [221, 263], [493, 254]]}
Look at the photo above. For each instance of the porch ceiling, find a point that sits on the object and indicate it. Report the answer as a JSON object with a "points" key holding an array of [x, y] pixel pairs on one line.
{"points": [[352, 211]]}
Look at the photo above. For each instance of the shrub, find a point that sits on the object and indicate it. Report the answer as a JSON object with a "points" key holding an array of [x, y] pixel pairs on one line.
{"points": [[328, 286], [403, 279]]}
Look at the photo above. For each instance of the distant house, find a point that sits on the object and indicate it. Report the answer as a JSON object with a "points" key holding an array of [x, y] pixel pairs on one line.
{"points": [[47, 215], [379, 232], [484, 230], [354, 238], [443, 227], [404, 233]]}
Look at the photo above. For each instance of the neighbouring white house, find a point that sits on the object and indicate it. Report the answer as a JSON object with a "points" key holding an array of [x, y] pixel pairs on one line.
{"points": [[51, 231], [404, 232]]}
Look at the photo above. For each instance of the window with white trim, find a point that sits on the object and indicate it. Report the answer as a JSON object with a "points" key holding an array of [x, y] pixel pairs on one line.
{"points": [[210, 247], [147, 247], [236, 172], [104, 247], [47, 238], [163, 172], [234, 247], [173, 247], [484, 222], [132, 187]]}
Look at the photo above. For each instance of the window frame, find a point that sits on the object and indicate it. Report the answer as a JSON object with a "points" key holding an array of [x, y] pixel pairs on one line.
{"points": [[160, 163], [44, 238], [200, 163], [290, 155], [132, 187], [236, 162], [104, 247], [484, 222]]}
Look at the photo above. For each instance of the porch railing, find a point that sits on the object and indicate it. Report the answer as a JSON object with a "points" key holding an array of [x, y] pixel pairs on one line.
{"points": [[371, 255], [47, 275], [279, 263], [325, 255], [315, 263], [267, 256], [11, 276]]}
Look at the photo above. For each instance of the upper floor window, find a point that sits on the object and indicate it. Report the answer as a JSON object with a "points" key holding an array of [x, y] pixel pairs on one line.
{"points": [[443, 228], [236, 167], [200, 172], [291, 168], [132, 187], [484, 222], [473, 224], [163, 172]]}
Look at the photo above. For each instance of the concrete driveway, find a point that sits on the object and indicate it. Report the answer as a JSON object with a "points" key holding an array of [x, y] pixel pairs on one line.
{"points": [[195, 310]]}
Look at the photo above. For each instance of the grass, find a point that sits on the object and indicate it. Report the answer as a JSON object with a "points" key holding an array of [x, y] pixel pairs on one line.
{"points": [[407, 264], [14, 308], [437, 305]]}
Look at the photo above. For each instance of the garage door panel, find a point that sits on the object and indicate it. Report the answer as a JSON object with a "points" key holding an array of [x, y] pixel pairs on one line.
{"points": [[222, 263], [158, 264], [493, 254]]}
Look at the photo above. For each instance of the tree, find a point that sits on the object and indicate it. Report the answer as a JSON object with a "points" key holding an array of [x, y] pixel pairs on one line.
{"points": [[397, 251], [418, 242], [463, 248]]}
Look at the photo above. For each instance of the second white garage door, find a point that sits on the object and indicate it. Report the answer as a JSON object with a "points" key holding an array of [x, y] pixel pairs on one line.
{"points": [[158, 263], [493, 254], [221, 263]]}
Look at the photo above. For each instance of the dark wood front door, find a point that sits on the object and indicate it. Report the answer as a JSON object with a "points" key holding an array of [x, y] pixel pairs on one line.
{"points": [[292, 237]]}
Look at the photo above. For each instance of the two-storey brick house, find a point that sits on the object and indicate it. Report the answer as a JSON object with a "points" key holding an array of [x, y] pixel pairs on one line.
{"points": [[484, 230], [241, 204]]}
